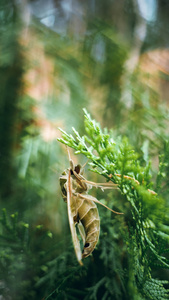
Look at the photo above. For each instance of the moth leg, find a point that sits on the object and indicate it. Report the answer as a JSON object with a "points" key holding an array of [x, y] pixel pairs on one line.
{"points": [[103, 185], [80, 179], [91, 198], [76, 218]]}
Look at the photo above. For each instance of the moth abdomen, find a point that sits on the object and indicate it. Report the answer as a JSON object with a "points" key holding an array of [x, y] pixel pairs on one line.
{"points": [[93, 225], [90, 242], [89, 217]]}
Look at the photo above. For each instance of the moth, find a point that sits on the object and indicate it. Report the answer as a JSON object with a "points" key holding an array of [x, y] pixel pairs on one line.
{"points": [[82, 209]]}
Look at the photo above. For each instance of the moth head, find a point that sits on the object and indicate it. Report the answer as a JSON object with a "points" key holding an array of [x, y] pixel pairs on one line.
{"points": [[77, 169]]}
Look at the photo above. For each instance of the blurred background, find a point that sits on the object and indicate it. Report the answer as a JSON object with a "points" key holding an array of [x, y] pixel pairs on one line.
{"points": [[57, 57]]}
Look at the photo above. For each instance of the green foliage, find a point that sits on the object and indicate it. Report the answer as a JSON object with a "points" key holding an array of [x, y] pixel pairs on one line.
{"points": [[37, 259], [144, 217], [11, 85], [162, 182], [25, 261]]}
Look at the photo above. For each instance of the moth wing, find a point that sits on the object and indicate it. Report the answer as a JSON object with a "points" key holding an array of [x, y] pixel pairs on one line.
{"points": [[82, 232], [70, 206]]}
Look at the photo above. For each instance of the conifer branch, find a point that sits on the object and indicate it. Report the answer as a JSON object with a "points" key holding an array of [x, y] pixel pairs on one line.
{"points": [[118, 162]]}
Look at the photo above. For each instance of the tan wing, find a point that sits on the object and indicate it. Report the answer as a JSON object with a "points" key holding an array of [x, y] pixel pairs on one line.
{"points": [[82, 232], [70, 206]]}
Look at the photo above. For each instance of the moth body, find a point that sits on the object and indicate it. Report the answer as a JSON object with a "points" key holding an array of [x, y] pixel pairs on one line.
{"points": [[83, 209]]}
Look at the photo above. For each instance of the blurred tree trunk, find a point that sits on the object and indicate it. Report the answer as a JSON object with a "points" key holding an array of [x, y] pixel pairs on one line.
{"points": [[11, 71]]}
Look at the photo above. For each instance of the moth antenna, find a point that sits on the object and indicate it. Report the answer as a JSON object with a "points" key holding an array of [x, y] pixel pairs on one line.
{"points": [[82, 168], [70, 160], [68, 152]]}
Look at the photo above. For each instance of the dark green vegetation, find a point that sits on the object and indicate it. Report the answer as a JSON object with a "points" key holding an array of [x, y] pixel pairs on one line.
{"points": [[140, 239], [46, 78]]}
